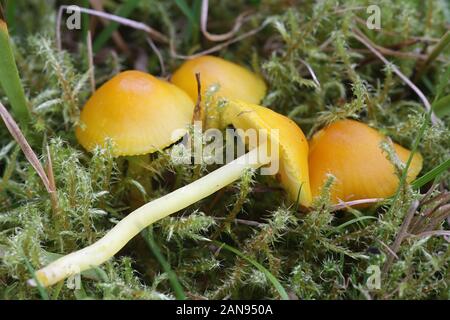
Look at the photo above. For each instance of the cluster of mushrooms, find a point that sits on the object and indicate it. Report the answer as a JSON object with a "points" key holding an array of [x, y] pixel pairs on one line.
{"points": [[140, 112]]}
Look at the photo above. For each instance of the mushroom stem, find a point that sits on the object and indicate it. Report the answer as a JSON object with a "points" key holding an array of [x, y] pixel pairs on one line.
{"points": [[102, 250]]}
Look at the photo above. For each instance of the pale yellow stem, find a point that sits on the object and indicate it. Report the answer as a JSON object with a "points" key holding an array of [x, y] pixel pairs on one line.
{"points": [[135, 222]]}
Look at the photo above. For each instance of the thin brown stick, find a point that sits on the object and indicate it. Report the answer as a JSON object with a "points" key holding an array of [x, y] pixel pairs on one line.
{"points": [[431, 233], [124, 21], [17, 134], [439, 198], [51, 179], [342, 205], [218, 47], [250, 223], [428, 194], [440, 202], [438, 217], [219, 37], [197, 116], [158, 54], [311, 72], [357, 34], [394, 53], [343, 10], [388, 249], [402, 233], [432, 216]]}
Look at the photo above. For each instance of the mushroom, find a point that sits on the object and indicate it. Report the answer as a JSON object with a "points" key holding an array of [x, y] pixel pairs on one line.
{"points": [[235, 82], [293, 153], [138, 112], [293, 146], [350, 151]]}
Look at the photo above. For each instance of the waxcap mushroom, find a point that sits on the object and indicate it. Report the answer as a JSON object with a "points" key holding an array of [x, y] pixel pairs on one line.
{"points": [[235, 82], [137, 111], [350, 150], [293, 154]]}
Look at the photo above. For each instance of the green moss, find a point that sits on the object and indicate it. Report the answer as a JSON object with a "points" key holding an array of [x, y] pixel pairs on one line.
{"points": [[318, 255]]}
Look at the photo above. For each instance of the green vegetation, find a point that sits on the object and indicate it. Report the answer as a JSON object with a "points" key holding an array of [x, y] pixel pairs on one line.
{"points": [[317, 71]]}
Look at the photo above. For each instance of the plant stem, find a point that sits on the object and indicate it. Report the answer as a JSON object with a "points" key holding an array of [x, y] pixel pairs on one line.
{"points": [[135, 222], [175, 283], [85, 21], [9, 78], [442, 106], [10, 12]]}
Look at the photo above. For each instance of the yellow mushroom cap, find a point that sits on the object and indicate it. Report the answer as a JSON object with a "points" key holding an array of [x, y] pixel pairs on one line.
{"points": [[235, 81], [293, 153], [137, 111], [350, 150]]}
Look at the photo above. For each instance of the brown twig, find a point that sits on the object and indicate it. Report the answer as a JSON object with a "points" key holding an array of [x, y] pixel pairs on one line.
{"points": [[433, 215], [17, 134], [357, 34], [158, 54], [402, 233], [343, 10], [388, 249], [216, 48], [431, 233], [121, 20], [428, 194], [438, 217], [219, 37], [311, 72], [197, 116], [250, 223], [440, 197], [51, 179], [342, 205], [440, 201]]}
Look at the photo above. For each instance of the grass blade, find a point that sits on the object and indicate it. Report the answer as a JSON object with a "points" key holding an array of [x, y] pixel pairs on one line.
{"points": [[187, 11], [260, 267], [124, 11], [431, 175], [192, 16], [442, 106], [10, 14], [9, 77], [41, 289], [174, 282], [350, 222], [85, 21], [32, 158]]}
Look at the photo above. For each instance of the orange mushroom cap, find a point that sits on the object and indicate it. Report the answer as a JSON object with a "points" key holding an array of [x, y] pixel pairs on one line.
{"points": [[235, 81], [137, 111], [293, 153], [350, 150]]}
